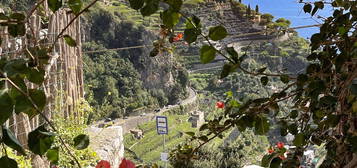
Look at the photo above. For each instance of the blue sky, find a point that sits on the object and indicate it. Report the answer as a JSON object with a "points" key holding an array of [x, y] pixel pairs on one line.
{"points": [[292, 10]]}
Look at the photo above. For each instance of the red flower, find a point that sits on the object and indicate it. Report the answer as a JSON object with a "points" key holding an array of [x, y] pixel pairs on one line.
{"points": [[220, 104], [178, 37], [282, 157], [126, 164], [103, 164], [270, 150], [280, 145]]}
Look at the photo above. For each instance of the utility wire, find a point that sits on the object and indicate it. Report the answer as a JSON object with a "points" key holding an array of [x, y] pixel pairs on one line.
{"points": [[239, 35]]}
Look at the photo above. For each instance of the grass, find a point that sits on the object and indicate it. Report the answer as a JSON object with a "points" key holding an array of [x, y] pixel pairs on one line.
{"points": [[150, 147]]}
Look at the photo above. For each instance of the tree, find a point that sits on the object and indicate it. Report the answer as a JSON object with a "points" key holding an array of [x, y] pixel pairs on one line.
{"points": [[249, 11], [257, 9]]}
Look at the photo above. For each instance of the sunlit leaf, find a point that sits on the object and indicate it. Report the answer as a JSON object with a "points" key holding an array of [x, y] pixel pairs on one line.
{"points": [[207, 54], [217, 33], [70, 41], [75, 6], [53, 155]]}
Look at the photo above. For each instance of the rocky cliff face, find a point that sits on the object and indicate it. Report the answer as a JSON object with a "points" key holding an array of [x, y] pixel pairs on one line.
{"points": [[159, 75]]}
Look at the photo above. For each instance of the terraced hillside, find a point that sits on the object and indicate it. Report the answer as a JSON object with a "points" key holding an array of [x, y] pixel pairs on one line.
{"points": [[148, 148]]}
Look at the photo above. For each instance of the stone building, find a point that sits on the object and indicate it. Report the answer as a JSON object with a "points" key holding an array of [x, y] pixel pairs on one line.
{"points": [[197, 118]]}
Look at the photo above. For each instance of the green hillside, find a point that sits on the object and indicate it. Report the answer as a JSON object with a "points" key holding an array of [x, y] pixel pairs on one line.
{"points": [[150, 146]]}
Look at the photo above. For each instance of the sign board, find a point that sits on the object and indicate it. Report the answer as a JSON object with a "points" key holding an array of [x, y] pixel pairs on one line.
{"points": [[161, 125], [164, 157]]}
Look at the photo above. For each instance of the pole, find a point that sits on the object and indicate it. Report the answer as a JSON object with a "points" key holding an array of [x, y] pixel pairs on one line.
{"points": [[165, 151]]}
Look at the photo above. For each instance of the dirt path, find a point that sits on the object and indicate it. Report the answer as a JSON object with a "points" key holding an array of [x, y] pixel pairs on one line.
{"points": [[133, 121]]}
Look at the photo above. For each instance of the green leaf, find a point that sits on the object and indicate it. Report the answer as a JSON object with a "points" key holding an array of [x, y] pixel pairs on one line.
{"points": [[203, 138], [354, 107], [150, 7], [319, 4], [154, 52], [75, 6], [314, 11], [69, 40], [54, 5], [293, 128], [36, 76], [81, 141], [7, 162], [170, 18], [190, 35], [275, 163], [3, 17], [284, 78], [217, 33], [11, 141], [261, 70], [40, 140], [261, 125], [18, 16], [227, 69], [283, 131], [53, 155], [293, 114], [175, 4], [207, 54], [333, 120], [264, 80], [22, 104], [353, 142], [233, 53], [299, 140], [266, 160], [342, 30], [136, 4], [190, 133], [307, 8], [316, 38], [16, 67], [6, 106], [193, 23], [204, 127], [39, 98], [328, 100]]}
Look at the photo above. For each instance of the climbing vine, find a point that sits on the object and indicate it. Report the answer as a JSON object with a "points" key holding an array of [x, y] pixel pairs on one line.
{"points": [[324, 96]]}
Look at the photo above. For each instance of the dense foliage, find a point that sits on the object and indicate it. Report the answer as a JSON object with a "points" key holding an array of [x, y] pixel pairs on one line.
{"points": [[323, 97], [113, 84], [115, 80]]}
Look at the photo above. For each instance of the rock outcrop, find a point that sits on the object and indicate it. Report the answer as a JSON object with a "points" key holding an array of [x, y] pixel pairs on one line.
{"points": [[108, 143]]}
